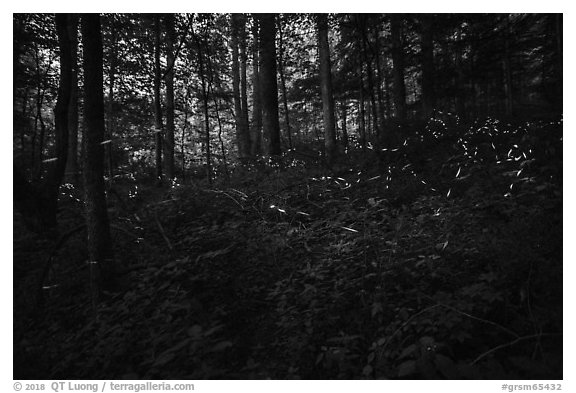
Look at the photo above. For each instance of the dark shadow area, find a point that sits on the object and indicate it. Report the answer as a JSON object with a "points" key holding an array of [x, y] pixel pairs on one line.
{"points": [[390, 209]]}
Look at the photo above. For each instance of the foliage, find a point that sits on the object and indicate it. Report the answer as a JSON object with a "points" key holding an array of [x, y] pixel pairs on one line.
{"points": [[449, 268]]}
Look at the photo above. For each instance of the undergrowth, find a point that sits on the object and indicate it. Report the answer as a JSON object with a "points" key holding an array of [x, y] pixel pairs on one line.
{"points": [[440, 258]]}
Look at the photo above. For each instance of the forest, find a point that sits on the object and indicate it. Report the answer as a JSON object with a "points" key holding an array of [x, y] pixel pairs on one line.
{"points": [[287, 196]]}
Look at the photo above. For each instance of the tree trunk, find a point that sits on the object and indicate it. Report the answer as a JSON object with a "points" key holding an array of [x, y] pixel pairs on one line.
{"points": [[507, 70], [217, 110], [398, 62], [344, 109], [72, 156], [169, 80], [558, 29], [268, 84], [361, 109], [38, 204], [99, 241], [368, 62], [205, 101], [157, 105], [427, 55], [283, 84], [239, 87], [111, 116], [377, 52], [326, 89], [459, 79], [243, 87], [256, 137]]}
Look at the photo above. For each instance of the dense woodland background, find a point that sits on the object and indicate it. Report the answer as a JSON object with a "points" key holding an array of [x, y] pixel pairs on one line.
{"points": [[287, 196]]}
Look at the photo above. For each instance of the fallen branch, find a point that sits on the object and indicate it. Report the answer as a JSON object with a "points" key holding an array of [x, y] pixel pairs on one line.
{"points": [[512, 343], [162, 232]]}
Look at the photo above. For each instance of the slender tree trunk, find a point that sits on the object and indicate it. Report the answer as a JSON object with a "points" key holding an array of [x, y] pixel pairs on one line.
{"points": [[344, 109], [283, 83], [217, 109], [157, 104], [326, 90], [269, 85], [183, 139], [236, 79], [111, 116], [381, 110], [361, 109], [169, 80], [387, 98], [427, 55], [99, 239], [205, 102], [37, 157], [72, 159], [459, 80], [507, 70], [239, 86], [256, 136], [398, 61], [244, 87], [558, 24], [368, 62]]}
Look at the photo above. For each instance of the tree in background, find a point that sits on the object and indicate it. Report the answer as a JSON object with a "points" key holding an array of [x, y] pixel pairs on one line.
{"points": [[38, 202], [99, 241], [169, 80], [268, 84], [72, 170], [326, 88], [256, 134], [398, 70], [159, 127], [468, 65], [427, 56], [238, 42]]}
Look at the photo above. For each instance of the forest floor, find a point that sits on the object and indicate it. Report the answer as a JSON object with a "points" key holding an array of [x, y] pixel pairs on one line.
{"points": [[390, 267]]}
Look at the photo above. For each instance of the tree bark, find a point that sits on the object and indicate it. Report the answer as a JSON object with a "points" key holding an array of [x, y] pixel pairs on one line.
{"points": [[283, 84], [111, 116], [239, 86], [344, 109], [157, 105], [256, 135], [326, 89], [205, 101], [72, 156], [398, 62], [99, 240], [427, 55], [507, 69], [369, 72], [361, 109], [269, 85], [379, 96], [243, 87], [169, 80]]}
